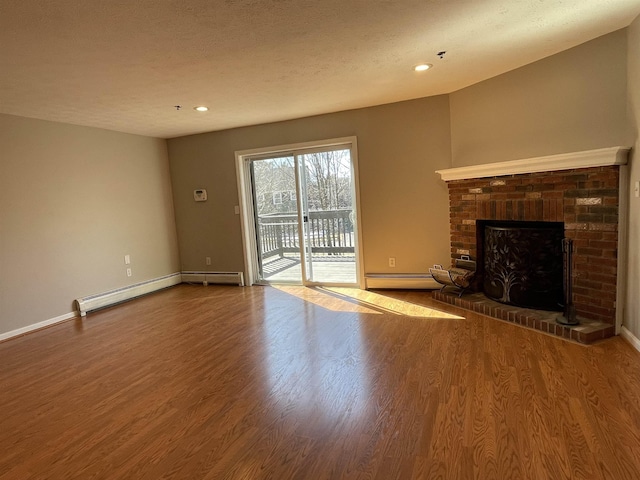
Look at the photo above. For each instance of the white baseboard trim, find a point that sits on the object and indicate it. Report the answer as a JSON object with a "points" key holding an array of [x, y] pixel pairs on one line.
{"points": [[419, 281], [37, 326], [233, 278], [630, 337], [105, 299]]}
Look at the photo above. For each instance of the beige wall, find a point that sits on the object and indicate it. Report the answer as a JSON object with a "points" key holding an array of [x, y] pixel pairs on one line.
{"points": [[404, 205], [73, 202], [571, 101], [632, 308]]}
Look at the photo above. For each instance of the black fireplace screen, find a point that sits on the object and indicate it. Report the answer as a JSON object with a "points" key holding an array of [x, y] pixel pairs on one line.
{"points": [[523, 264]]}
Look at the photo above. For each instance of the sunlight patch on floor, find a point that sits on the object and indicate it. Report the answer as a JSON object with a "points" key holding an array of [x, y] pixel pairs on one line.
{"points": [[343, 299], [321, 297]]}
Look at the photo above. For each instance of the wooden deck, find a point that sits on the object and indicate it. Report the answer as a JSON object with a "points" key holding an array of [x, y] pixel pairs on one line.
{"points": [[289, 270]]}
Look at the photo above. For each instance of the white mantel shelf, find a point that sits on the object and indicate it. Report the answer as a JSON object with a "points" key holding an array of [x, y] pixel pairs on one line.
{"points": [[602, 157]]}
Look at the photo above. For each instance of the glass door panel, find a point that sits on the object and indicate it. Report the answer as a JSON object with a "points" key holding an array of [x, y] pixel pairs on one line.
{"points": [[276, 219], [328, 212]]}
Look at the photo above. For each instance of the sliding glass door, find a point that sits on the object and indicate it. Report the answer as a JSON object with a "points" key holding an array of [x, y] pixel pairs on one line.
{"points": [[304, 216]]}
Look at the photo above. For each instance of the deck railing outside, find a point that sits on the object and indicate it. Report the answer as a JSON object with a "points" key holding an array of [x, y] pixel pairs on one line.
{"points": [[331, 233]]}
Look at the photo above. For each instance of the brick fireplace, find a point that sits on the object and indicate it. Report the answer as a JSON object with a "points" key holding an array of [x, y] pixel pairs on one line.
{"points": [[581, 190]]}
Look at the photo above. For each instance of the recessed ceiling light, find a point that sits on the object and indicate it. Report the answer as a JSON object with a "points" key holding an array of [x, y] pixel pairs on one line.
{"points": [[422, 67], [201, 108]]}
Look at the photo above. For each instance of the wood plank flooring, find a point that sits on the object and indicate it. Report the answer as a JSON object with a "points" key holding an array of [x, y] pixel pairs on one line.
{"points": [[293, 383]]}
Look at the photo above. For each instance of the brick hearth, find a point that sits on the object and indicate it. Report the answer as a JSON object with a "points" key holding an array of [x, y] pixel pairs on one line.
{"points": [[588, 331], [585, 199]]}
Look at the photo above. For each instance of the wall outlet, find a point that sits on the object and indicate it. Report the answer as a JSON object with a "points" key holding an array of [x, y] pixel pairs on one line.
{"points": [[127, 259], [129, 272], [207, 260], [392, 261]]}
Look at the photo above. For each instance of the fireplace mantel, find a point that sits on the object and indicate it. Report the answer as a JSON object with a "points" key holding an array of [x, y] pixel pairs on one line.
{"points": [[602, 157]]}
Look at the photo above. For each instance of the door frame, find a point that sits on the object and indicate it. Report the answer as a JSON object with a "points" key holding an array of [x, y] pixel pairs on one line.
{"points": [[247, 211]]}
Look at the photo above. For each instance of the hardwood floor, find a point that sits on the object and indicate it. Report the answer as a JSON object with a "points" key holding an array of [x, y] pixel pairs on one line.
{"points": [[293, 383]]}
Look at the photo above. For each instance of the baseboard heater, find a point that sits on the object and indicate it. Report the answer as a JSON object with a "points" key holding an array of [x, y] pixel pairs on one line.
{"points": [[234, 278], [101, 300], [421, 281]]}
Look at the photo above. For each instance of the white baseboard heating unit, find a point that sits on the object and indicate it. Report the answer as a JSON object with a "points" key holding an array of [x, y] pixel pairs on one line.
{"points": [[205, 278], [401, 281], [101, 300]]}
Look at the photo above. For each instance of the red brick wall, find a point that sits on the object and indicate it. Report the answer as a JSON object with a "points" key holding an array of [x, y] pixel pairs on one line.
{"points": [[586, 200]]}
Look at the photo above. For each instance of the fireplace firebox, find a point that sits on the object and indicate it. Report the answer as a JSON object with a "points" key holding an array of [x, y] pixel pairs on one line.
{"points": [[521, 263]]}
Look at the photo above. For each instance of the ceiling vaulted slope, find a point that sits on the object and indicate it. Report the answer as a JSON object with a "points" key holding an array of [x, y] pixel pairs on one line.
{"points": [[123, 65]]}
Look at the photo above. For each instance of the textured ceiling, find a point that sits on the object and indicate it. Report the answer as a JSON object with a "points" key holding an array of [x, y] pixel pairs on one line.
{"points": [[124, 64]]}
